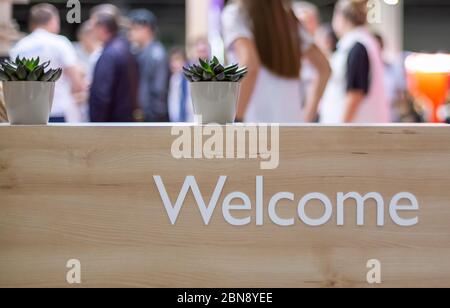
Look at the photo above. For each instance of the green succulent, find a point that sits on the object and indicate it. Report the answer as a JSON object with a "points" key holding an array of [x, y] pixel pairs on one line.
{"points": [[28, 70], [212, 70]]}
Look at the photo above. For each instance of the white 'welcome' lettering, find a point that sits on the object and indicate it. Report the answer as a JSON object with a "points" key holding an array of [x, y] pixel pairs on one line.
{"points": [[239, 201]]}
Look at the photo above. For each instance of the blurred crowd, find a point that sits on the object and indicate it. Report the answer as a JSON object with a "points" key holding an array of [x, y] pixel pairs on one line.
{"points": [[300, 70]]}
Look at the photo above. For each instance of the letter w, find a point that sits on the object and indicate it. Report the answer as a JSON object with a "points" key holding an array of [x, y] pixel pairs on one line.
{"points": [[190, 183]]}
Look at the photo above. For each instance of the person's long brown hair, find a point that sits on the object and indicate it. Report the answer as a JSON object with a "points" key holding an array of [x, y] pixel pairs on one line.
{"points": [[275, 31]]}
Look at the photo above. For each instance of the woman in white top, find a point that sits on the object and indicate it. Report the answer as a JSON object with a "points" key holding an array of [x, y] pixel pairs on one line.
{"points": [[266, 37], [356, 91]]}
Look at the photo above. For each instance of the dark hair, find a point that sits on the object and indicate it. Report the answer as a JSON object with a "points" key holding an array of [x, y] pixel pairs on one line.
{"points": [[108, 21], [144, 17], [42, 14], [276, 35]]}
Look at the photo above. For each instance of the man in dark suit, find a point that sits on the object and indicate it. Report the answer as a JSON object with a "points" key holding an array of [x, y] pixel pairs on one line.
{"points": [[113, 96]]}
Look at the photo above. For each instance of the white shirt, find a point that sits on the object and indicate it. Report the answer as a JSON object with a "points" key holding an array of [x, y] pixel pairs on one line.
{"points": [[275, 99], [375, 107], [59, 51]]}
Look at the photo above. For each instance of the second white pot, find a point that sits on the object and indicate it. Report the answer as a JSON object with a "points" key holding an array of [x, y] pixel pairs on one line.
{"points": [[215, 102]]}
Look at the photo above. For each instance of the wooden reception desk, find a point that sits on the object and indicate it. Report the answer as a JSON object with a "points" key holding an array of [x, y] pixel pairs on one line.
{"points": [[91, 193]]}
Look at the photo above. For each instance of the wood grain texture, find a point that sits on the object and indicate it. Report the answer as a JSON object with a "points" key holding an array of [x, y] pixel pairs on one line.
{"points": [[88, 193], [3, 115]]}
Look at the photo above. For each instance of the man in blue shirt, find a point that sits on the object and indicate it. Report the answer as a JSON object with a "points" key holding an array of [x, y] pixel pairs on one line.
{"points": [[113, 96], [153, 66]]}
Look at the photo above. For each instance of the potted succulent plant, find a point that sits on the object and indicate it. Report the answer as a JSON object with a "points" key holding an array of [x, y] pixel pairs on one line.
{"points": [[28, 90], [215, 90]]}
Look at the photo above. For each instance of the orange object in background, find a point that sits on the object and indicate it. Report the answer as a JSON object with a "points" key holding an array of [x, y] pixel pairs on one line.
{"points": [[428, 79]]}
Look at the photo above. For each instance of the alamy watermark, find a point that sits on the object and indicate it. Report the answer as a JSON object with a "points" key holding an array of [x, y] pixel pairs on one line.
{"points": [[214, 141], [73, 275], [74, 13], [374, 273], [374, 11]]}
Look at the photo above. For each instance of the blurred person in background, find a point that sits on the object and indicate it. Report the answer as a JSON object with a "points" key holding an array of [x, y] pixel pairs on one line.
{"points": [[180, 106], [356, 93], [308, 14], [45, 43], [113, 94], [153, 66], [108, 9], [326, 40], [269, 40], [309, 17], [394, 82], [88, 50], [201, 49]]}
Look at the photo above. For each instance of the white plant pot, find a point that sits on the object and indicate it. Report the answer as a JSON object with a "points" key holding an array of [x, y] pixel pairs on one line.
{"points": [[215, 102], [28, 102]]}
